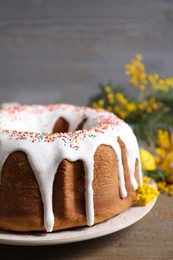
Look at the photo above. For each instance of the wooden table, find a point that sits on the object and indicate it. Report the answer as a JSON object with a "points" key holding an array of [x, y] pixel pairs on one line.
{"points": [[149, 238]]}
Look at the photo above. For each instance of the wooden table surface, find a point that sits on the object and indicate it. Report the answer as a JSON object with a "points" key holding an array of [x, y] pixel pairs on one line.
{"points": [[149, 238]]}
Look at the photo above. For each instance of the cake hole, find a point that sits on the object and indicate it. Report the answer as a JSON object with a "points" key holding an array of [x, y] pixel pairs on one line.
{"points": [[81, 124], [62, 126]]}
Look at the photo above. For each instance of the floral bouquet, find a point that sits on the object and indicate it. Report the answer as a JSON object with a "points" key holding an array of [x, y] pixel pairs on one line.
{"points": [[150, 114]]}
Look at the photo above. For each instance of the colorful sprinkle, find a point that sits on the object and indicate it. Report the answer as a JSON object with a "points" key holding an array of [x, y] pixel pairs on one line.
{"points": [[102, 119]]}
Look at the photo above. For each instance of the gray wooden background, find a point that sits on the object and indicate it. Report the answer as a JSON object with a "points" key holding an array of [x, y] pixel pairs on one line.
{"points": [[59, 50]]}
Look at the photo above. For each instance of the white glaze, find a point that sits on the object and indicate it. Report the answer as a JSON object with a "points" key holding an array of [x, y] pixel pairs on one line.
{"points": [[46, 151]]}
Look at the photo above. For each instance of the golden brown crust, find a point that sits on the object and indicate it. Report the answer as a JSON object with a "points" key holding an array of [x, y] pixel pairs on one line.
{"points": [[68, 195], [20, 199], [107, 200], [21, 206]]}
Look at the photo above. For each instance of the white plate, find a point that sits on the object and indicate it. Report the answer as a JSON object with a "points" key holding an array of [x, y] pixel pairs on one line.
{"points": [[119, 222]]}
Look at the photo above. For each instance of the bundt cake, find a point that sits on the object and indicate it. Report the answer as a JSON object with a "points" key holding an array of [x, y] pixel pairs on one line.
{"points": [[64, 166]]}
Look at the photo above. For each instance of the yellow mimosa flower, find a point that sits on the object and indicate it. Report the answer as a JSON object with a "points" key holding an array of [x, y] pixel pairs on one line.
{"points": [[139, 57], [101, 103], [109, 109], [160, 152], [107, 89], [131, 107], [149, 109], [122, 114]]}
